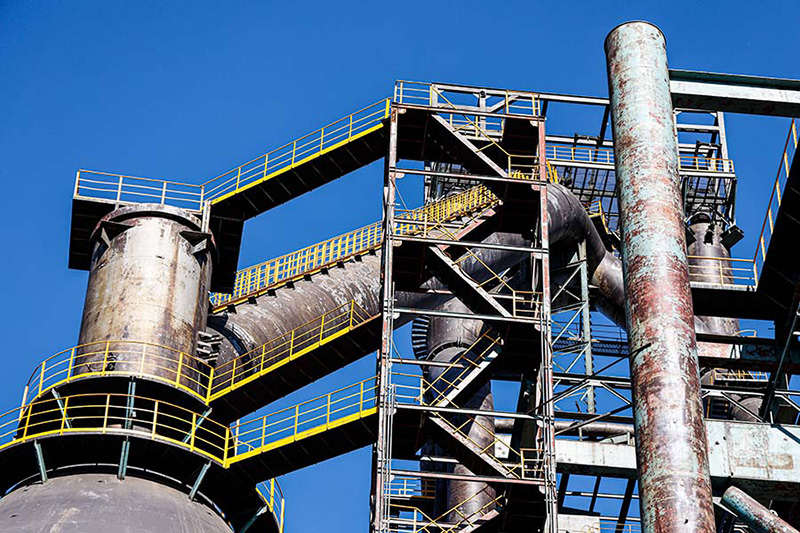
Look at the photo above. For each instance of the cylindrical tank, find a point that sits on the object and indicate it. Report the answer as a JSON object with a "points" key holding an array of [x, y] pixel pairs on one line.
{"points": [[99, 503], [707, 264], [671, 450], [147, 293], [450, 339]]}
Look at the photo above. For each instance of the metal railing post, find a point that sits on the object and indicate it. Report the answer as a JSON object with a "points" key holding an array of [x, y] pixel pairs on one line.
{"points": [[71, 362], [119, 190], [105, 359], [193, 431], [41, 376], [328, 411], [105, 414]]}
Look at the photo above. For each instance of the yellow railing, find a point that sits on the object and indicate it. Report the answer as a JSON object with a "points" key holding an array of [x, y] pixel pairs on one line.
{"points": [[437, 390], [610, 525], [187, 372], [287, 347], [257, 278], [119, 188], [605, 156], [128, 358], [309, 418], [412, 487], [299, 151], [158, 420], [451, 521], [723, 271], [124, 414], [512, 467], [723, 374], [110, 413], [272, 494], [776, 196]]}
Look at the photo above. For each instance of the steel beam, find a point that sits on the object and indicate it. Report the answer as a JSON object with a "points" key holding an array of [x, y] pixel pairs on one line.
{"points": [[763, 458], [674, 484], [753, 95]]}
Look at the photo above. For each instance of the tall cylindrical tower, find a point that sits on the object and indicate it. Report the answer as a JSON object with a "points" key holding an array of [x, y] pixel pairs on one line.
{"points": [[671, 450]]}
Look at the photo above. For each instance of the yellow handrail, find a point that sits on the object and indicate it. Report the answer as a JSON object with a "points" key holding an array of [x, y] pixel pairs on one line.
{"points": [[148, 418], [308, 418], [287, 347], [110, 413], [121, 357], [258, 278], [297, 152], [774, 204], [272, 495]]}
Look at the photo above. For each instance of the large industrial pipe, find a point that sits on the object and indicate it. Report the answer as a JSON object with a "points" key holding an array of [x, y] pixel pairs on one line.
{"points": [[270, 316], [707, 264], [753, 514], [448, 340], [671, 451]]}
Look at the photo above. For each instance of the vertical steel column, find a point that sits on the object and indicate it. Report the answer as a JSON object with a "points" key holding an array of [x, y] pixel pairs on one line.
{"points": [[753, 514], [382, 448], [674, 484]]}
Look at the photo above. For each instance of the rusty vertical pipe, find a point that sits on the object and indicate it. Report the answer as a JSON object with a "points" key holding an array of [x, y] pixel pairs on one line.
{"points": [[674, 484], [753, 514]]}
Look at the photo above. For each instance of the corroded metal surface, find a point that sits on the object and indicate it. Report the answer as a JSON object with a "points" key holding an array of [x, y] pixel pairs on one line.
{"points": [[99, 503], [449, 339], [674, 484], [272, 315], [149, 280], [753, 514]]}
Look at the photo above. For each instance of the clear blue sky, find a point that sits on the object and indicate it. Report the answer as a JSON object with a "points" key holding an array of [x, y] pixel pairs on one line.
{"points": [[186, 90]]}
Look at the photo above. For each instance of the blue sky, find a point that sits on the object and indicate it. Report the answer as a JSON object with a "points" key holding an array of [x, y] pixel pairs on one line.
{"points": [[186, 90]]}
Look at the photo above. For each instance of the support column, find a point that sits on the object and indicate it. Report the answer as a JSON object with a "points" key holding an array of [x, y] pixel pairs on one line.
{"points": [[674, 484]]}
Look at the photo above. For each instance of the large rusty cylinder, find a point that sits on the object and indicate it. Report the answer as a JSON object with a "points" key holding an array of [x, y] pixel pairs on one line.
{"points": [[754, 515], [671, 451], [472, 499], [147, 296], [454, 340], [708, 264], [273, 315]]}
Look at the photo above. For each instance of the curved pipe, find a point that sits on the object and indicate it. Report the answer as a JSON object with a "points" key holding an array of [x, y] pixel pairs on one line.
{"points": [[270, 316]]}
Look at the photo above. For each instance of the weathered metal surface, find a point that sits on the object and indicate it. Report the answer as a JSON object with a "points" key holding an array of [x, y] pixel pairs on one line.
{"points": [[99, 503], [674, 485], [707, 264], [272, 315], [764, 459], [735, 93], [148, 282], [448, 340], [753, 514]]}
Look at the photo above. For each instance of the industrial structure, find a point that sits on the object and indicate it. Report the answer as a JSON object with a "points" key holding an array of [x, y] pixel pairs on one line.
{"points": [[589, 272]]}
